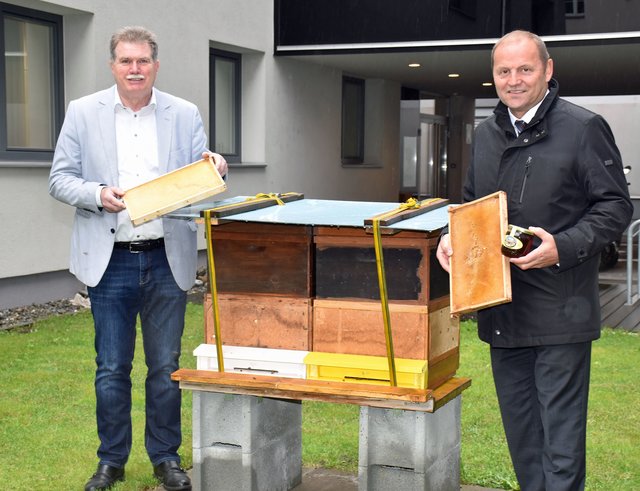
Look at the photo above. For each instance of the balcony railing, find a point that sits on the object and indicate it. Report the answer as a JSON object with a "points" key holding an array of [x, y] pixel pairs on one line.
{"points": [[633, 291]]}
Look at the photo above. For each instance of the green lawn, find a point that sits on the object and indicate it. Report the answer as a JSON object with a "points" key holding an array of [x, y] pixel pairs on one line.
{"points": [[47, 413]]}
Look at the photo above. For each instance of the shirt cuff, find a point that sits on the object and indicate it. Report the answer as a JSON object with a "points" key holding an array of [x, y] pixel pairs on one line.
{"points": [[98, 192]]}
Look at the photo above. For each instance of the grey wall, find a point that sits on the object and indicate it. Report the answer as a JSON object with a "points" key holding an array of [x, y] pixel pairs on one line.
{"points": [[291, 118]]}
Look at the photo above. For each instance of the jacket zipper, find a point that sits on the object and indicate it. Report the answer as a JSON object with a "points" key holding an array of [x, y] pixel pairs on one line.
{"points": [[526, 174]]}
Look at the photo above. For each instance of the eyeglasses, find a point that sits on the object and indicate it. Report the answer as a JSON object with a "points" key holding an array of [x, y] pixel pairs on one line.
{"points": [[141, 62]]}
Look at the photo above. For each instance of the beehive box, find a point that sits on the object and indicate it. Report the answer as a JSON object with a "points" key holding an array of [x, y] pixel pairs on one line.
{"points": [[345, 265], [258, 361], [303, 276], [260, 321], [257, 258], [357, 327], [362, 369]]}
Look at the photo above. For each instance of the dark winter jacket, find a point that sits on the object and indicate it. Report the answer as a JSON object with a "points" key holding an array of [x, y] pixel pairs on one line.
{"points": [[564, 174]]}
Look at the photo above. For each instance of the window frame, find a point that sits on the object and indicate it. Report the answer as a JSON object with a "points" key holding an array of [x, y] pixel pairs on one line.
{"points": [[236, 59], [57, 89], [357, 159], [575, 10]]}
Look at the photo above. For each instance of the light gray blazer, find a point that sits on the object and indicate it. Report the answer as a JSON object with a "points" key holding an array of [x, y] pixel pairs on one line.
{"points": [[85, 157]]}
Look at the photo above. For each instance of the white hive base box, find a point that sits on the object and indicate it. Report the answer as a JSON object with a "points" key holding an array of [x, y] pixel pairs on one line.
{"points": [[257, 361]]}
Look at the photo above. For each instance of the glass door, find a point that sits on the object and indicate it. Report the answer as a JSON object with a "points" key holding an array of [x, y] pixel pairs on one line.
{"points": [[424, 160]]}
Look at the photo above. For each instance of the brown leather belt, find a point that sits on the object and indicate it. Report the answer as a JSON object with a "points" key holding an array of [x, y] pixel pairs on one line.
{"points": [[140, 245]]}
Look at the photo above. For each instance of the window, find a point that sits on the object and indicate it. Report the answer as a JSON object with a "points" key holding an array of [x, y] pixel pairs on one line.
{"points": [[225, 98], [31, 98], [352, 120], [465, 7], [574, 8]]}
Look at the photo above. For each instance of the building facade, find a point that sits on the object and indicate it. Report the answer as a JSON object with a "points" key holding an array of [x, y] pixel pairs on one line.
{"points": [[312, 96]]}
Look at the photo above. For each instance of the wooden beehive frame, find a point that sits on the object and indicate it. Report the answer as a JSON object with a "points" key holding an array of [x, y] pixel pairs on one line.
{"points": [[174, 190], [480, 275]]}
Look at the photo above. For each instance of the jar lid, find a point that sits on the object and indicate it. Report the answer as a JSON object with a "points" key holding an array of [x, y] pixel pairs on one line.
{"points": [[520, 230]]}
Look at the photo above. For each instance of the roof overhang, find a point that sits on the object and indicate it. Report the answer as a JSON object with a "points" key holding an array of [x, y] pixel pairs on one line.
{"points": [[585, 64]]}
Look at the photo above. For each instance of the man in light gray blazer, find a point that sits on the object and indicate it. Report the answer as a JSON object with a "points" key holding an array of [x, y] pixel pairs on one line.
{"points": [[111, 141]]}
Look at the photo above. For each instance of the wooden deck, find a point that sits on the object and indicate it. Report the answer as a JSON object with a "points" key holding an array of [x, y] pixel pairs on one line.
{"points": [[613, 298], [615, 312]]}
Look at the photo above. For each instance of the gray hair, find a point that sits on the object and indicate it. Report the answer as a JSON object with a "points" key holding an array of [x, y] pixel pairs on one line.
{"points": [[542, 48], [134, 34]]}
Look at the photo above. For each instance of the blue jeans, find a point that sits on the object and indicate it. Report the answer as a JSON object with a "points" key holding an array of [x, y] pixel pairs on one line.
{"points": [[137, 283]]}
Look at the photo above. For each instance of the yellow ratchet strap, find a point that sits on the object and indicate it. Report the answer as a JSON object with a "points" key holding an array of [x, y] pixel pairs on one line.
{"points": [[382, 282], [411, 203], [214, 289]]}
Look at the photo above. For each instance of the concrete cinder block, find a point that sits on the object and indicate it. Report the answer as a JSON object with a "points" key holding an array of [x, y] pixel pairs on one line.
{"points": [[246, 443], [246, 421], [410, 450], [276, 467], [444, 477], [213, 465]]}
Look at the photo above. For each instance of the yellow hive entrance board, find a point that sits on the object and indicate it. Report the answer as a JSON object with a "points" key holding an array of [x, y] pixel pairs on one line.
{"points": [[174, 190], [364, 369]]}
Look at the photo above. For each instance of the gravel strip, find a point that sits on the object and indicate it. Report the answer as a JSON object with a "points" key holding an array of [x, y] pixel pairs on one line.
{"points": [[23, 318]]}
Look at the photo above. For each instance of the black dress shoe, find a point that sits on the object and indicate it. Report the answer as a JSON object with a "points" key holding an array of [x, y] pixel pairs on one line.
{"points": [[105, 477], [172, 476]]}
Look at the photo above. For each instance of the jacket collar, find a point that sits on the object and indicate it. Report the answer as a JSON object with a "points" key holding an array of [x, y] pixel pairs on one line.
{"points": [[164, 124]]}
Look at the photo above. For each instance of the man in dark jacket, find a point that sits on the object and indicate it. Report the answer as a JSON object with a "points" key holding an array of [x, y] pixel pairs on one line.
{"points": [[563, 176]]}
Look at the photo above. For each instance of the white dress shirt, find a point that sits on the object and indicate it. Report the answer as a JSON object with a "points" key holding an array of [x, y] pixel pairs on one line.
{"points": [[528, 116], [137, 149]]}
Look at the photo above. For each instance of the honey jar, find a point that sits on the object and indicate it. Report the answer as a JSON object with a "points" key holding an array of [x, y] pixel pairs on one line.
{"points": [[517, 242]]}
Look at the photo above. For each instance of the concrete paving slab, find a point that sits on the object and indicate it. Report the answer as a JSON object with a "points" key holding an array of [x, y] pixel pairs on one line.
{"points": [[327, 480], [332, 480]]}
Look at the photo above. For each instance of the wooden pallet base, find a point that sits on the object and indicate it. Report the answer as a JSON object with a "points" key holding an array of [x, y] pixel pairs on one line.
{"points": [[424, 400]]}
